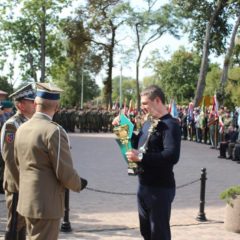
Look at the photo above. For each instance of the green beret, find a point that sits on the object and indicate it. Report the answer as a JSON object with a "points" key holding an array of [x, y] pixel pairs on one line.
{"points": [[7, 104]]}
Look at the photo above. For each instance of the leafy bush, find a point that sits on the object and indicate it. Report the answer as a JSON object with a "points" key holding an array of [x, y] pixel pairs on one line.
{"points": [[230, 193]]}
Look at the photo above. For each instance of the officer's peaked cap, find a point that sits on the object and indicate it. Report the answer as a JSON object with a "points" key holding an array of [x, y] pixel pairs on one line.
{"points": [[48, 91], [27, 92]]}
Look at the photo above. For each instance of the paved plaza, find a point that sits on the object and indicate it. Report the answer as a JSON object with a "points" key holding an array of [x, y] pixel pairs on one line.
{"points": [[107, 209]]}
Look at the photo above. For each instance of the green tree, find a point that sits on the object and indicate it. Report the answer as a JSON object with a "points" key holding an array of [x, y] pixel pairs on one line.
{"points": [[149, 25], [212, 80], [229, 53], [233, 88], [5, 86], [32, 33], [178, 76], [103, 19], [75, 72], [211, 18], [128, 89]]}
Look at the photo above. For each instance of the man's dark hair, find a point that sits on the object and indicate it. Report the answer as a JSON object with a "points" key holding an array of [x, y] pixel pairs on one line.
{"points": [[152, 92]]}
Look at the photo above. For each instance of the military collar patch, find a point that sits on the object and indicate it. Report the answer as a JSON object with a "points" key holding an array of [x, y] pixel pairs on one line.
{"points": [[9, 137]]}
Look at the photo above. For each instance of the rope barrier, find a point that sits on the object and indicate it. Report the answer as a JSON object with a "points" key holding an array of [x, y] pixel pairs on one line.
{"points": [[131, 194], [128, 194]]}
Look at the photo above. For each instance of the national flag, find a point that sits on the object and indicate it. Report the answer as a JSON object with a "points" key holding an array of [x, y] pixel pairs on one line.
{"points": [[190, 111], [202, 113], [221, 124], [130, 108], [125, 110], [173, 109], [215, 105], [116, 105]]}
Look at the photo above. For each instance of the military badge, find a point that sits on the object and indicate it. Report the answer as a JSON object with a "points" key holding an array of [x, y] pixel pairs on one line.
{"points": [[9, 137]]}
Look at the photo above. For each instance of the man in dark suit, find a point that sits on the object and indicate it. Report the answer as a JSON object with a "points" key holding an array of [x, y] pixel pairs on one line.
{"points": [[157, 150]]}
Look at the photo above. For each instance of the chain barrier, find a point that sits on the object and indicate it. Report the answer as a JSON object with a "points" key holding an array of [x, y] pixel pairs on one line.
{"points": [[128, 194], [131, 194]]}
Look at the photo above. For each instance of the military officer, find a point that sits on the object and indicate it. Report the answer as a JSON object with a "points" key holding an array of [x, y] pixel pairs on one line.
{"points": [[24, 102], [43, 156]]}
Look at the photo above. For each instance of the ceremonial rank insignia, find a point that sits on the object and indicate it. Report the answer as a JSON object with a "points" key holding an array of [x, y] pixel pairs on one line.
{"points": [[9, 137]]}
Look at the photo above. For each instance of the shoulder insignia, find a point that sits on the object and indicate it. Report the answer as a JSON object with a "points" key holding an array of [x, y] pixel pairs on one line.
{"points": [[9, 137]]}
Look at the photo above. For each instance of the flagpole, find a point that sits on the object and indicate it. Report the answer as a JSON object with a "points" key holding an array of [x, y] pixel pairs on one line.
{"points": [[82, 90], [120, 88]]}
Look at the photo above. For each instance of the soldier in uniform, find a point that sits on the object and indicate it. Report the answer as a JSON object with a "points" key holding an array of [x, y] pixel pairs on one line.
{"points": [[24, 102], [42, 153]]}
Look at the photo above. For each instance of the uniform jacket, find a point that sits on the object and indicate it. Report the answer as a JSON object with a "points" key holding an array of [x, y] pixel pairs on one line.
{"points": [[46, 169], [162, 152], [7, 148]]}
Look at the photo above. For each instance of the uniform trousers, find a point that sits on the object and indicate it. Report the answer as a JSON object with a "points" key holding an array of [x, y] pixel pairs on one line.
{"points": [[20, 220], [154, 209], [42, 229]]}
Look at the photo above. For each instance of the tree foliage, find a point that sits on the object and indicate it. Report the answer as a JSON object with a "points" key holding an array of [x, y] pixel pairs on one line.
{"points": [[76, 71], [178, 75], [5, 86], [149, 25], [128, 89], [102, 19], [32, 34]]}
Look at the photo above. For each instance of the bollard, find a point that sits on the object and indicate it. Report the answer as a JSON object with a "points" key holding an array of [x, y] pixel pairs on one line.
{"points": [[66, 226], [201, 215]]}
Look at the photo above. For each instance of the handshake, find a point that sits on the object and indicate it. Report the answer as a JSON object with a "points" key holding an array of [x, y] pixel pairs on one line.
{"points": [[84, 183]]}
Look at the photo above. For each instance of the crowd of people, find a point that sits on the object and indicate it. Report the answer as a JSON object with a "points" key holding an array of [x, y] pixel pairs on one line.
{"points": [[217, 127]]}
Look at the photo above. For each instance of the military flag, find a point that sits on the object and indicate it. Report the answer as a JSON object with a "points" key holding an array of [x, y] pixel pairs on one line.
{"points": [[173, 109], [215, 105], [202, 113]]}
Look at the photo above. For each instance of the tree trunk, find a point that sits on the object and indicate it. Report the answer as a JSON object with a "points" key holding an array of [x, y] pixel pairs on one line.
{"points": [[137, 67], [204, 63], [229, 54], [137, 83], [43, 45], [109, 79], [108, 86], [33, 70]]}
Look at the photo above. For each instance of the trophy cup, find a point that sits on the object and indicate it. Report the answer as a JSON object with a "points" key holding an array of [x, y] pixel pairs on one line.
{"points": [[124, 134]]}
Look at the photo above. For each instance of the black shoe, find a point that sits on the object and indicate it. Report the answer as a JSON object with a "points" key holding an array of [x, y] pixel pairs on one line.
{"points": [[221, 156], [84, 183]]}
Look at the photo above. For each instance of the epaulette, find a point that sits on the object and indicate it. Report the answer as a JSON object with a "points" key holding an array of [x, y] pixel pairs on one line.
{"points": [[13, 121], [61, 128], [55, 123]]}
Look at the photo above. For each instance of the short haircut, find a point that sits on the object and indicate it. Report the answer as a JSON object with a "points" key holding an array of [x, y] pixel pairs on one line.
{"points": [[46, 104], [152, 92]]}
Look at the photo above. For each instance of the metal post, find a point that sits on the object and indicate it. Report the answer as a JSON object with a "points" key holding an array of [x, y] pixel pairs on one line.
{"points": [[201, 215], [82, 90], [120, 89], [66, 226]]}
